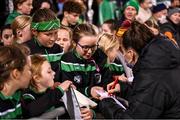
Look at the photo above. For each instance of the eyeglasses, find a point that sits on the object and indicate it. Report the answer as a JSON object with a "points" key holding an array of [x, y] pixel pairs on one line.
{"points": [[86, 48]]}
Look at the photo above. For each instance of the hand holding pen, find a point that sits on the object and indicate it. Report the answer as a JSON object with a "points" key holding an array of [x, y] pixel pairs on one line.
{"points": [[113, 87]]}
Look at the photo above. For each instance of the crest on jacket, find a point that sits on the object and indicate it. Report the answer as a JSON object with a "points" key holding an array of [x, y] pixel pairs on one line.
{"points": [[78, 79], [97, 78]]}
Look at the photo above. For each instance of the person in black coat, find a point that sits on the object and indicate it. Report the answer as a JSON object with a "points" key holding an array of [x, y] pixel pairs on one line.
{"points": [[155, 90], [172, 27]]}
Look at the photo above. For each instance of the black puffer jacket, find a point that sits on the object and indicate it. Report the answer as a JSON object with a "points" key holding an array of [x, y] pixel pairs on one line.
{"points": [[156, 86], [172, 28]]}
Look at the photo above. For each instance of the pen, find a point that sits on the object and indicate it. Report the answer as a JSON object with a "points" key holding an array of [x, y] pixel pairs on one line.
{"points": [[115, 78]]}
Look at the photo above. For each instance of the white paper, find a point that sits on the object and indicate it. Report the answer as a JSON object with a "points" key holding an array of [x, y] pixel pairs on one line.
{"points": [[130, 79], [104, 94], [83, 100]]}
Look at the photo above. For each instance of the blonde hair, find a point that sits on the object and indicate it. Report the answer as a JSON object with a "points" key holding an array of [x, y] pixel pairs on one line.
{"points": [[36, 63], [20, 22], [107, 42]]}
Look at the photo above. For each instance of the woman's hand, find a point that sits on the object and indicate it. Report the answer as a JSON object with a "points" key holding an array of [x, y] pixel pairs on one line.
{"points": [[122, 78], [113, 90]]}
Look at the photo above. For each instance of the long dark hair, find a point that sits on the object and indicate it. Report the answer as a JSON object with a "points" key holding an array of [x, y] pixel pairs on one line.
{"points": [[137, 37]]}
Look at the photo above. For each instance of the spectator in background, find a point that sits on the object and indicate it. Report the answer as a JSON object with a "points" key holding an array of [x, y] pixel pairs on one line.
{"points": [[40, 4], [83, 17], [7, 37], [21, 28], [159, 13], [131, 9], [21, 7], [153, 26], [106, 10], [175, 3], [71, 13], [108, 26], [54, 4], [172, 27], [144, 10]]}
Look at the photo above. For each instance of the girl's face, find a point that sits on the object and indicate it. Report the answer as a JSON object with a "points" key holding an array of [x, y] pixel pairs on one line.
{"points": [[86, 46], [25, 7], [175, 18], [130, 13], [26, 33], [48, 38], [105, 28], [112, 53], [26, 75], [7, 37], [64, 39], [47, 75]]}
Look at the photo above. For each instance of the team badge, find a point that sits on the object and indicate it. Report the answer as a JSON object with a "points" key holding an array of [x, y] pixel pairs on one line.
{"points": [[97, 77], [77, 79]]}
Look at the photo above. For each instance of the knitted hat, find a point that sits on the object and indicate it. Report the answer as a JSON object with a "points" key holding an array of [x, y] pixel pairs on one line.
{"points": [[132, 3], [158, 8], [172, 11]]}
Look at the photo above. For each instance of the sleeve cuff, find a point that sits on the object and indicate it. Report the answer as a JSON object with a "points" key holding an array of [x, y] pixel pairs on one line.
{"points": [[59, 88], [88, 91], [94, 114]]}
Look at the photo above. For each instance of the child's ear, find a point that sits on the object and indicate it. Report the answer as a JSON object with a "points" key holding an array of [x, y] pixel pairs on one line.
{"points": [[36, 78], [65, 14], [34, 32], [19, 33]]}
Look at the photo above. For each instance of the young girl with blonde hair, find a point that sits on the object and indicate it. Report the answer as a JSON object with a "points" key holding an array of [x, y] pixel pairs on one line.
{"points": [[42, 89], [21, 28], [110, 45]]}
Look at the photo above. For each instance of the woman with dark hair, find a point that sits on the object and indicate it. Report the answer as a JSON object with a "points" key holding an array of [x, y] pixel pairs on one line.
{"points": [[154, 92]]}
